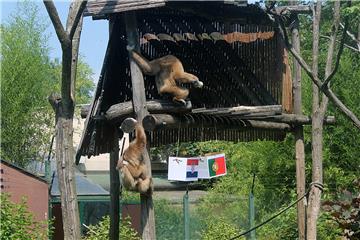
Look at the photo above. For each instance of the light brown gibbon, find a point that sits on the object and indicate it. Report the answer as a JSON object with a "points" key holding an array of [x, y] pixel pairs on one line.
{"points": [[168, 71], [131, 164]]}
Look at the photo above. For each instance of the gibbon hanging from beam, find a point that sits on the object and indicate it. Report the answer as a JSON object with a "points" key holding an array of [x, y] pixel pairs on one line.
{"points": [[131, 165]]}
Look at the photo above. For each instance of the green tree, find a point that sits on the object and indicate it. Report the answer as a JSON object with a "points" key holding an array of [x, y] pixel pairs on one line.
{"points": [[84, 80], [28, 76], [25, 70]]}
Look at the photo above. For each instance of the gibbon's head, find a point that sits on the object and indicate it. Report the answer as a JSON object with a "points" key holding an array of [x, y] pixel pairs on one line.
{"points": [[128, 125]]}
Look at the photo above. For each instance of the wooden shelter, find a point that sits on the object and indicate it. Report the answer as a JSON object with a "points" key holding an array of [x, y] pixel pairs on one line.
{"points": [[240, 59], [235, 50]]}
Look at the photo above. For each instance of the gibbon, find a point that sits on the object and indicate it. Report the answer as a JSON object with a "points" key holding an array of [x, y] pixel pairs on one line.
{"points": [[168, 71], [131, 165]]}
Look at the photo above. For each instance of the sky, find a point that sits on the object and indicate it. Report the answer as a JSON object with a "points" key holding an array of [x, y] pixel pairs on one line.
{"points": [[94, 35]]}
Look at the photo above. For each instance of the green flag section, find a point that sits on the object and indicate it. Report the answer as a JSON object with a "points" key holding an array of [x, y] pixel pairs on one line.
{"points": [[217, 166]]}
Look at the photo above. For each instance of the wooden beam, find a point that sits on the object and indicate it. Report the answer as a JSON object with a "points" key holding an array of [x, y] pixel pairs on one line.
{"points": [[139, 103], [298, 131], [160, 121], [240, 110], [114, 173], [294, 119], [119, 111], [295, 9], [114, 191]]}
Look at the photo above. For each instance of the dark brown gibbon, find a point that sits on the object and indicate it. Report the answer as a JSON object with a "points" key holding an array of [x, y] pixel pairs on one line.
{"points": [[168, 71], [133, 169]]}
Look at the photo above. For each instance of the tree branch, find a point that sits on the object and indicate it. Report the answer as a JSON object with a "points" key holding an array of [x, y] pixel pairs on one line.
{"points": [[352, 36], [314, 78], [345, 45], [315, 54], [75, 12], [337, 63], [331, 49], [54, 16]]}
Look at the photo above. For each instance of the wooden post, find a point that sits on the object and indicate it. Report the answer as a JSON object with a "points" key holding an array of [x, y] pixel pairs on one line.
{"points": [[298, 132], [139, 105], [114, 192], [114, 178]]}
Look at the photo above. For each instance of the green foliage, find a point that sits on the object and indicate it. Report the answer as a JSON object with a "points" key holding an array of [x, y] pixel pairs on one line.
{"points": [[84, 80], [219, 229], [343, 139], [169, 220], [285, 227], [18, 223], [27, 79], [100, 231], [25, 85]]}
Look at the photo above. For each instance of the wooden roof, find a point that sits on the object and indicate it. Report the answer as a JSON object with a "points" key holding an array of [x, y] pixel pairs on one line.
{"points": [[238, 56], [104, 8]]}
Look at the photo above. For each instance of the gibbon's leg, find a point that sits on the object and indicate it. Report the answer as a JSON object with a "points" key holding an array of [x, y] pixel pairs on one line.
{"points": [[147, 67], [143, 185], [128, 180], [185, 77], [136, 172], [179, 94]]}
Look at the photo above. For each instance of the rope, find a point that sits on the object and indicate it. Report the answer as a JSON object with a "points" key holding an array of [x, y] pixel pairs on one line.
{"points": [[178, 142], [271, 218], [319, 185]]}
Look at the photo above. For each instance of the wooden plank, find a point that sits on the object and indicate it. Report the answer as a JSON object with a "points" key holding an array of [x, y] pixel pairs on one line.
{"points": [[240, 110], [296, 9], [291, 118], [104, 7], [168, 121], [139, 103], [120, 111]]}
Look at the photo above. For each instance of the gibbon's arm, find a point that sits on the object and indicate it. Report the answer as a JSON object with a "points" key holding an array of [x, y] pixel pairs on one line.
{"points": [[140, 138], [185, 77], [148, 67]]}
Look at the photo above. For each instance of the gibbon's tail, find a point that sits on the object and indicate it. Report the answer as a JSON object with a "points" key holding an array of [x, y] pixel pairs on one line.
{"points": [[140, 136], [145, 66]]}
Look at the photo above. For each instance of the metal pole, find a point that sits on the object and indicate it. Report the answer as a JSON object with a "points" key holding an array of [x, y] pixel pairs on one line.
{"points": [[186, 214], [252, 235]]}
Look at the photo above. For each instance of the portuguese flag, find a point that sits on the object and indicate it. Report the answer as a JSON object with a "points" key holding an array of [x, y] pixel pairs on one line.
{"points": [[217, 166]]}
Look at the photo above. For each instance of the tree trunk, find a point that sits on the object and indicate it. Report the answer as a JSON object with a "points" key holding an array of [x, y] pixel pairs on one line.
{"points": [[64, 109], [319, 110], [66, 176]]}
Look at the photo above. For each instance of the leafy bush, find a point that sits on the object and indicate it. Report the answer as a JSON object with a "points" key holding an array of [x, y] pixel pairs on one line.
{"points": [[18, 223], [169, 220], [100, 231], [219, 229]]}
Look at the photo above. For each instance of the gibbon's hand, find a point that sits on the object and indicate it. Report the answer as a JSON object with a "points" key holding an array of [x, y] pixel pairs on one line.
{"points": [[180, 102], [130, 48], [198, 84]]}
